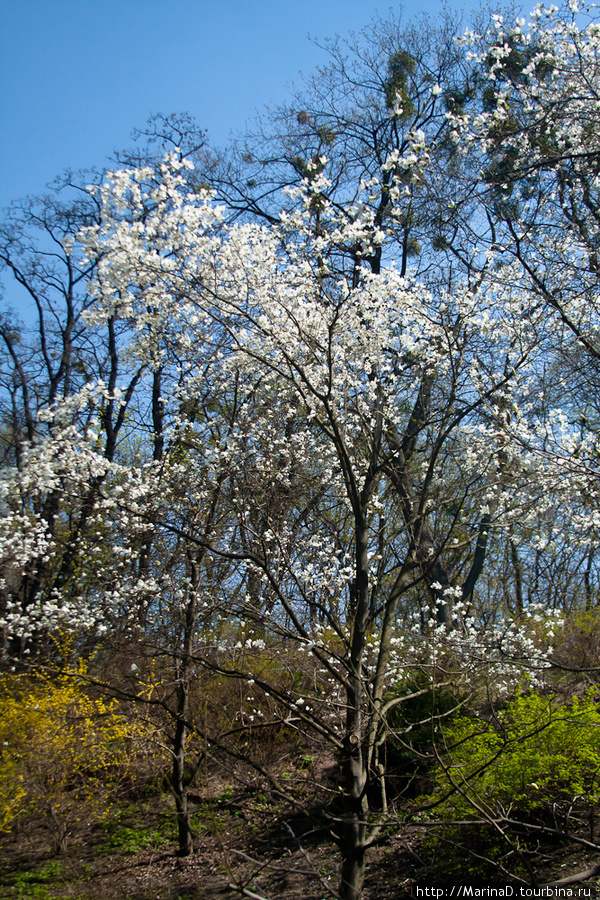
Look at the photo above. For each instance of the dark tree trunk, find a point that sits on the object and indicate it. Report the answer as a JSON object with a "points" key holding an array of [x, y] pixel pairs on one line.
{"points": [[354, 833], [178, 783], [355, 764]]}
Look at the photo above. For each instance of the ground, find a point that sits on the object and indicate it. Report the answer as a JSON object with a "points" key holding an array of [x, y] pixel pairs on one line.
{"points": [[245, 843]]}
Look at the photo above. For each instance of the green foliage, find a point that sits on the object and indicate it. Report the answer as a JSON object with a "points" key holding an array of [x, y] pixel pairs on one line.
{"points": [[131, 839], [305, 761], [36, 885], [136, 826], [532, 754], [308, 169], [326, 135], [400, 66], [456, 98]]}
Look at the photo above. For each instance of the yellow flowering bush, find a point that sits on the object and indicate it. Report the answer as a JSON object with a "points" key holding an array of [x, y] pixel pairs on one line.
{"points": [[63, 753]]}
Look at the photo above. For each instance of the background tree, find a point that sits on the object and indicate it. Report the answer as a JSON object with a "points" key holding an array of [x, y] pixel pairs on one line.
{"points": [[534, 136], [368, 120]]}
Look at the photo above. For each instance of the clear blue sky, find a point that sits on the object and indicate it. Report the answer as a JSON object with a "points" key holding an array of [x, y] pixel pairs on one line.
{"points": [[76, 76]]}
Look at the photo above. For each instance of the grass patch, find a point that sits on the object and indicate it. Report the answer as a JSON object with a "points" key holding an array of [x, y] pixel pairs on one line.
{"points": [[38, 884], [137, 827]]}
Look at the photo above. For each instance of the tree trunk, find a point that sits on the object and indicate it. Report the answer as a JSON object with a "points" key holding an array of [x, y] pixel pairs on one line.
{"points": [[355, 823], [355, 813], [60, 831], [353, 867], [180, 792], [179, 782]]}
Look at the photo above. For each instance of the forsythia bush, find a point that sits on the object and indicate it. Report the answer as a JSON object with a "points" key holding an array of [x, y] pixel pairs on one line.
{"points": [[62, 753], [534, 752]]}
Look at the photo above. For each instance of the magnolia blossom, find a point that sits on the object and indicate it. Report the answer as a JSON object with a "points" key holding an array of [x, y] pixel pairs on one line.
{"points": [[285, 392]]}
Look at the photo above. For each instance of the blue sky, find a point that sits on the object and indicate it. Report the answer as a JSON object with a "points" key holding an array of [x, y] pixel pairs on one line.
{"points": [[76, 76]]}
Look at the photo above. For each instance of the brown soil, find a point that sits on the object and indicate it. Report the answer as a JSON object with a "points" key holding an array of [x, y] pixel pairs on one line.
{"points": [[246, 846]]}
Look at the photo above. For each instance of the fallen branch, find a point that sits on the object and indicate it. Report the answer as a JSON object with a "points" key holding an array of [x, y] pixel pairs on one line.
{"points": [[574, 879]]}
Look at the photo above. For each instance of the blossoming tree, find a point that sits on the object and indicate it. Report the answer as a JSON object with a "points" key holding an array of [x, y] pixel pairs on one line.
{"points": [[535, 137], [294, 445], [330, 438]]}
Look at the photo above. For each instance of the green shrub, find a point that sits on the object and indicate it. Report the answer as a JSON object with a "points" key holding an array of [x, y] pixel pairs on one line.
{"points": [[533, 753]]}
